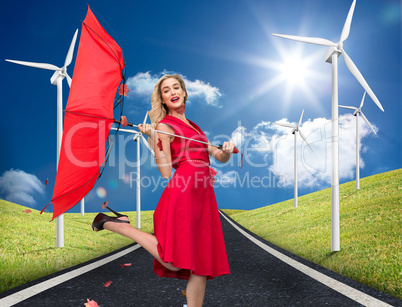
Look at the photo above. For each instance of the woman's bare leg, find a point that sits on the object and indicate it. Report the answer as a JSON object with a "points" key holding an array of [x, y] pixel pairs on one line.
{"points": [[146, 240], [195, 290]]}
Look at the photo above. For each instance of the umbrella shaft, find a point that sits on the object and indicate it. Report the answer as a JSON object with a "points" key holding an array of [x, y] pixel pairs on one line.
{"points": [[175, 135]]}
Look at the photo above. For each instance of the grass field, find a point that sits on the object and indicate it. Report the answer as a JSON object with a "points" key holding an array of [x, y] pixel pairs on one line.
{"points": [[370, 230], [28, 242], [370, 224]]}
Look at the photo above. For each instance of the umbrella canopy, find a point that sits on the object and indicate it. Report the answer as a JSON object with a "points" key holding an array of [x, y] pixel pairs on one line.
{"points": [[88, 115]]}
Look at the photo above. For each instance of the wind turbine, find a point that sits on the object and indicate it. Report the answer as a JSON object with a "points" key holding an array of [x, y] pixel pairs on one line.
{"points": [[137, 137], [356, 113], [294, 131], [56, 79], [331, 56]]}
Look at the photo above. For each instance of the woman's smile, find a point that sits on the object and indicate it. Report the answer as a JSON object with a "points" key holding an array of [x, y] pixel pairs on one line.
{"points": [[172, 93]]}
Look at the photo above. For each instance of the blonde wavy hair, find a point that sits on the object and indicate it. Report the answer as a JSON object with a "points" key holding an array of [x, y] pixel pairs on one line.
{"points": [[160, 110]]}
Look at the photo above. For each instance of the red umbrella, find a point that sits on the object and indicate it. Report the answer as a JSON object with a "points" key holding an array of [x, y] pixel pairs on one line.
{"points": [[88, 115]]}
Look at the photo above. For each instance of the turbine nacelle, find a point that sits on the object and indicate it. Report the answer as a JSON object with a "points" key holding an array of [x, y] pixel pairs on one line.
{"points": [[359, 111], [59, 72], [330, 52], [296, 129]]}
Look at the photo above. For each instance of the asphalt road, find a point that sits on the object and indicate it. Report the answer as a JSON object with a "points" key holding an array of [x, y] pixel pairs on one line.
{"points": [[258, 278]]}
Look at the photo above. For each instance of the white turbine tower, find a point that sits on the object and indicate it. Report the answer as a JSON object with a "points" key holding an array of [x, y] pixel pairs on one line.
{"points": [[137, 136], [56, 79], [356, 113], [295, 130], [335, 49]]}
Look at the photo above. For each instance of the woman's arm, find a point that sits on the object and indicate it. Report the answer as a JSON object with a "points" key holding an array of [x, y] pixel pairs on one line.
{"points": [[163, 157], [161, 144], [222, 155]]}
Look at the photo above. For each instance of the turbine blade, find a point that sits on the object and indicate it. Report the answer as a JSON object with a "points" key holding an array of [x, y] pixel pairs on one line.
{"points": [[368, 123], [310, 40], [68, 80], [348, 22], [145, 118], [147, 145], [346, 107], [285, 125], [361, 103], [355, 72], [36, 65], [300, 120], [304, 138], [70, 52]]}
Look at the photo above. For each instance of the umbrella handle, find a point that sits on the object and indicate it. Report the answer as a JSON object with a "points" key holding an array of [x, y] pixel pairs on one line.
{"points": [[235, 150]]}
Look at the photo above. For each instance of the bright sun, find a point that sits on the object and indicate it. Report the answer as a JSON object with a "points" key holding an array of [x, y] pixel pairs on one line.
{"points": [[294, 70], [293, 73]]}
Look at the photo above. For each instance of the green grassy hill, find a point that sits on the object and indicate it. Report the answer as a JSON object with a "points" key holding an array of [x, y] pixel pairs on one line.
{"points": [[370, 230], [28, 242]]}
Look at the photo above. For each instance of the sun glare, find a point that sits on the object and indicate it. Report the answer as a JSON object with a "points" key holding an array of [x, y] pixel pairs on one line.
{"points": [[294, 70], [292, 73]]}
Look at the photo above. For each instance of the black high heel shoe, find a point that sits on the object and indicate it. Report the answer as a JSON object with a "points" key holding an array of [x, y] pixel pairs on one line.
{"points": [[104, 206], [101, 219], [116, 213]]}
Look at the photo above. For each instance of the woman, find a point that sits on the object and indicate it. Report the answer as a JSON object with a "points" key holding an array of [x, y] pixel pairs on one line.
{"points": [[188, 241]]}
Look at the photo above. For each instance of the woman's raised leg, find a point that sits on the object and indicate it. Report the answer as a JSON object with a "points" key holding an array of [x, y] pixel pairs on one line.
{"points": [[146, 240]]}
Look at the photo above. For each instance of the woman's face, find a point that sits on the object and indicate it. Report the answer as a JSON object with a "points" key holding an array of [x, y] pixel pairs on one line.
{"points": [[172, 93]]}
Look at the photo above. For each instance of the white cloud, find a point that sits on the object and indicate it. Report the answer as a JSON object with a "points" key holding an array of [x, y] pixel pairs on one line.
{"points": [[314, 168], [257, 140], [204, 90], [239, 136], [260, 139], [262, 125], [143, 84], [276, 144], [19, 187]]}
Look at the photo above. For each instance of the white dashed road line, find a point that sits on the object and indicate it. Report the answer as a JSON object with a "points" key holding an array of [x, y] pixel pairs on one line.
{"points": [[47, 284]]}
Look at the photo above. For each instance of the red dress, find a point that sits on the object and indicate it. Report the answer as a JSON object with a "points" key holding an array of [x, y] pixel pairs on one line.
{"points": [[186, 220]]}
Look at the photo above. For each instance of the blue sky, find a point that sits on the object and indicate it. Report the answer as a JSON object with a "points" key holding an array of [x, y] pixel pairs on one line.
{"points": [[240, 80]]}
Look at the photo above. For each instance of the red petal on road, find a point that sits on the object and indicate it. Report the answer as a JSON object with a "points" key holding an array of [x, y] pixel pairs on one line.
{"points": [[107, 284], [124, 265], [91, 303]]}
